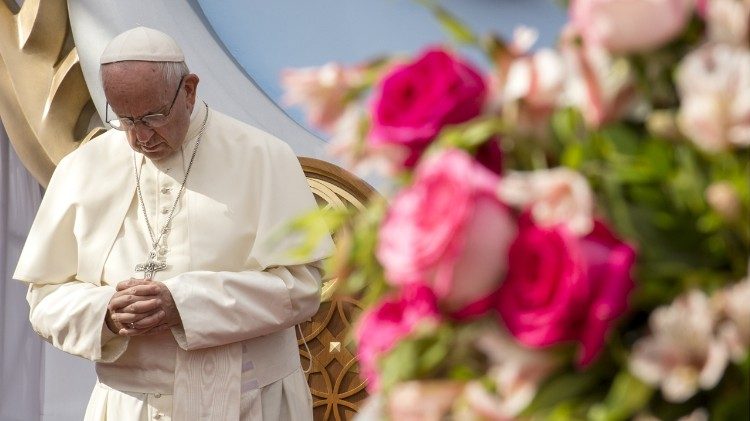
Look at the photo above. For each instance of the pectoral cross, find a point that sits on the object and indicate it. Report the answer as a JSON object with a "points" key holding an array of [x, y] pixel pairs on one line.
{"points": [[151, 266]]}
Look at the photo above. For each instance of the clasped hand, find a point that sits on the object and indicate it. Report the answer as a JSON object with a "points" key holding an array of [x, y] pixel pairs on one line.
{"points": [[141, 306]]}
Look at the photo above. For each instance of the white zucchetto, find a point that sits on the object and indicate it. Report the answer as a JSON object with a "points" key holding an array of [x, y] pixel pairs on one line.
{"points": [[142, 44]]}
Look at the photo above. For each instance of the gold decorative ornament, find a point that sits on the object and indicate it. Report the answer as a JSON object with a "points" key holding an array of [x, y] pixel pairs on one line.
{"points": [[44, 102]]}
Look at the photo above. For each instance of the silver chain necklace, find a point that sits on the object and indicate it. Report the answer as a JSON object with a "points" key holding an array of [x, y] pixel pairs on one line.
{"points": [[152, 265]]}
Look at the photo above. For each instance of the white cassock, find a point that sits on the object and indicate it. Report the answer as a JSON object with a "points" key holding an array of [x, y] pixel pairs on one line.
{"points": [[239, 292]]}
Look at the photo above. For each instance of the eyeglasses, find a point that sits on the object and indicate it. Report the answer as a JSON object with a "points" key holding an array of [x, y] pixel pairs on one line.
{"points": [[151, 120]]}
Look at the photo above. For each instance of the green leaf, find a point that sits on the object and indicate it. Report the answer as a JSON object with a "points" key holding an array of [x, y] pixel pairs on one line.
{"points": [[562, 388], [456, 29], [572, 156], [627, 396]]}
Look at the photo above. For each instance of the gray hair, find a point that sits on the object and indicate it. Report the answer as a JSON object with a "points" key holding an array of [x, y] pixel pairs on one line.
{"points": [[172, 71]]}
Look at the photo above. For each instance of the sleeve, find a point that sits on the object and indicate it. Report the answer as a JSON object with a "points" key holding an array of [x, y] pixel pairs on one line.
{"points": [[71, 317], [218, 308], [64, 311], [50, 254]]}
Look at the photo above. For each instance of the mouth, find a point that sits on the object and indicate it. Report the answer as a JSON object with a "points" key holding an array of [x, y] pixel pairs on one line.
{"points": [[150, 149]]}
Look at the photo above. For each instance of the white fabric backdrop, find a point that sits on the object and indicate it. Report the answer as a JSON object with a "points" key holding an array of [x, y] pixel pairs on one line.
{"points": [[37, 381], [21, 351]]}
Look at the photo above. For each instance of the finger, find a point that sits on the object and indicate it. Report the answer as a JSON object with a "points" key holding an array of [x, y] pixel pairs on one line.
{"points": [[156, 329], [133, 329], [150, 321], [132, 282], [142, 306], [126, 318], [118, 301], [149, 331], [143, 289]]}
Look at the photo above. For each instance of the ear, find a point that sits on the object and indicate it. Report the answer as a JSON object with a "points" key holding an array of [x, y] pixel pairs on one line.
{"points": [[191, 87]]}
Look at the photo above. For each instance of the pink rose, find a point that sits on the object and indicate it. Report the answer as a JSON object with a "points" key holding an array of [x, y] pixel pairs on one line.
{"points": [[563, 288], [448, 230], [415, 100], [393, 319], [623, 26]]}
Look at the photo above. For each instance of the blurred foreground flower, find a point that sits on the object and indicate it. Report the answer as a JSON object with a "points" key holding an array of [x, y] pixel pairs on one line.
{"points": [[515, 375], [415, 100], [683, 352], [448, 230], [322, 90], [734, 326], [623, 26], [562, 288], [381, 327], [714, 85], [559, 196]]}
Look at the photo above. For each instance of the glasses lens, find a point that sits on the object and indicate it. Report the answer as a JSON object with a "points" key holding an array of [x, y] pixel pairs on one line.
{"points": [[120, 124], [154, 120]]}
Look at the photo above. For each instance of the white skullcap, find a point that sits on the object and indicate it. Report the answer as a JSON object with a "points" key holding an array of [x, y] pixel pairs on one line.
{"points": [[142, 44]]}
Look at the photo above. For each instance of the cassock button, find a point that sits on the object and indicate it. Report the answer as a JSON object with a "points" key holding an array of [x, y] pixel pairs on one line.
{"points": [[166, 190], [157, 395], [164, 211]]}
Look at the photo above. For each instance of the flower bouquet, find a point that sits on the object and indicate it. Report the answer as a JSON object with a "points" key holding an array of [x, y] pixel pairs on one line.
{"points": [[564, 232]]}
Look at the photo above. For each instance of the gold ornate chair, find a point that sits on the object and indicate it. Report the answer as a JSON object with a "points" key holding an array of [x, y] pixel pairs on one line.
{"points": [[46, 109], [336, 387]]}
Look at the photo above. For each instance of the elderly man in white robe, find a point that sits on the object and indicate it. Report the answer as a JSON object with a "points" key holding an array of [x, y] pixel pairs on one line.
{"points": [[156, 253]]}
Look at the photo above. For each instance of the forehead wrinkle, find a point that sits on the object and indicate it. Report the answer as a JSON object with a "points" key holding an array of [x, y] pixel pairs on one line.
{"points": [[130, 84]]}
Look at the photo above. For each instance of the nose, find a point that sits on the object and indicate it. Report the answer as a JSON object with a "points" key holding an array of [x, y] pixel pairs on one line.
{"points": [[143, 133]]}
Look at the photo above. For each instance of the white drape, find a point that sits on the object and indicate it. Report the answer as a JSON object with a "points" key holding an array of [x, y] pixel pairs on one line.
{"points": [[37, 381], [21, 350]]}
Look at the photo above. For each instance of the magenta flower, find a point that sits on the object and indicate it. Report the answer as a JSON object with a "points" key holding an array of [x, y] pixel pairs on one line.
{"points": [[391, 320], [563, 288], [415, 100]]}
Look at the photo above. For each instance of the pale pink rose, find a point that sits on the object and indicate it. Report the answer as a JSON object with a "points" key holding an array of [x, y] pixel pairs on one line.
{"points": [[391, 320], [537, 79], [598, 84], [372, 409], [424, 400], [734, 327], [532, 89], [562, 288], [724, 199], [515, 372], [349, 145], [682, 354], [624, 26], [323, 91], [524, 37], [559, 196], [715, 108], [448, 230], [727, 21], [414, 101]]}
